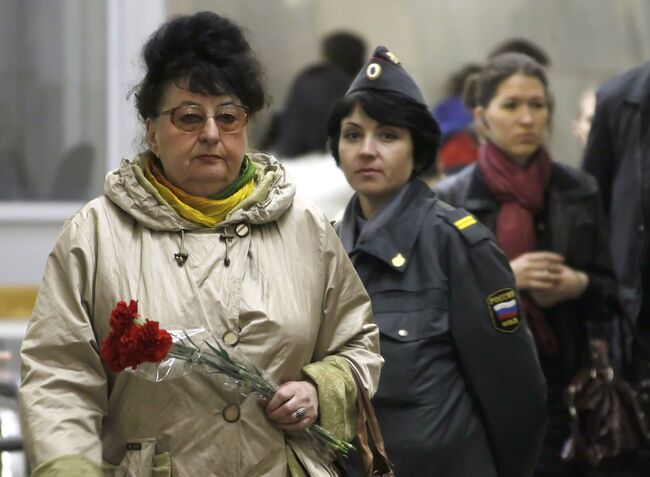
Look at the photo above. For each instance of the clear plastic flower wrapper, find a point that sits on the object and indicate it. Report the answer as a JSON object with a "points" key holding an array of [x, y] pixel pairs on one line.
{"points": [[147, 351]]}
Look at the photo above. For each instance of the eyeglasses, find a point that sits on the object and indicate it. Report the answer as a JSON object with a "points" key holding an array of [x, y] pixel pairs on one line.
{"points": [[230, 118]]}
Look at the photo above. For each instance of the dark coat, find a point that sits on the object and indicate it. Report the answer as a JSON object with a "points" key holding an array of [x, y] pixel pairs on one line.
{"points": [[303, 123], [459, 394], [618, 156], [571, 224]]}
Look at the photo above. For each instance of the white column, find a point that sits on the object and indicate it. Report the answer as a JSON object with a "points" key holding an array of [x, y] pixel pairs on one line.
{"points": [[129, 24]]}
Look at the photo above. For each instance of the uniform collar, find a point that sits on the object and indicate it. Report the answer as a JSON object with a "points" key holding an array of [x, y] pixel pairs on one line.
{"points": [[391, 234]]}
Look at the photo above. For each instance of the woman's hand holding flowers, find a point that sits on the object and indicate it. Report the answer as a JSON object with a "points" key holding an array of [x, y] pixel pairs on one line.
{"points": [[284, 410]]}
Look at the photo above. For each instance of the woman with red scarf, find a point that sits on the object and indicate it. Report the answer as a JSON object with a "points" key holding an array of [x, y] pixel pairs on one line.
{"points": [[548, 220]]}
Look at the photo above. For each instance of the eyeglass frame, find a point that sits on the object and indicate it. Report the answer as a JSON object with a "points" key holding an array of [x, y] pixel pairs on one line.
{"points": [[171, 112]]}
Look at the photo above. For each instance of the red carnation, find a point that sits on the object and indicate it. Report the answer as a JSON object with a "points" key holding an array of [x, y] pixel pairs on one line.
{"points": [[153, 343], [122, 315], [110, 353], [130, 347], [130, 343]]}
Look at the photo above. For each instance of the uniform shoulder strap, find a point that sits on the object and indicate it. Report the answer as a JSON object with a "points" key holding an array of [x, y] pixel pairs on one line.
{"points": [[465, 223]]}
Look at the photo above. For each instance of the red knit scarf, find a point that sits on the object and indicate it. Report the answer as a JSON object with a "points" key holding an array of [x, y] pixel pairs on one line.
{"points": [[520, 191]]}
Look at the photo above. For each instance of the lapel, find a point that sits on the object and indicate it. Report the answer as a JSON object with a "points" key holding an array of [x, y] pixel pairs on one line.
{"points": [[391, 235]]}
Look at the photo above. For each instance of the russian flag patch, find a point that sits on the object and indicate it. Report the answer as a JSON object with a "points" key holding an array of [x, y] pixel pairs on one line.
{"points": [[504, 310]]}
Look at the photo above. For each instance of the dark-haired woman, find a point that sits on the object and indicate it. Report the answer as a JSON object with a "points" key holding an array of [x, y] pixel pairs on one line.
{"points": [[547, 218], [461, 392], [202, 234]]}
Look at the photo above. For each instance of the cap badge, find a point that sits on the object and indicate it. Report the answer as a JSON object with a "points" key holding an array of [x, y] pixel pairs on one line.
{"points": [[373, 71], [398, 260], [392, 57]]}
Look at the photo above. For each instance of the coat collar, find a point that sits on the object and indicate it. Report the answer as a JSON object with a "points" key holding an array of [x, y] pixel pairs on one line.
{"points": [[478, 196], [565, 184], [391, 234], [640, 90]]}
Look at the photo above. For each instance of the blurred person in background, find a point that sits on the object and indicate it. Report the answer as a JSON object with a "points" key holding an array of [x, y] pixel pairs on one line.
{"points": [[203, 235], [461, 135], [461, 392], [549, 221], [301, 127], [581, 125], [458, 140], [523, 46], [618, 156], [298, 135]]}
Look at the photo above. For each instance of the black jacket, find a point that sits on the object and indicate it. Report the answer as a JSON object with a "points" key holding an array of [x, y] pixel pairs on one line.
{"points": [[303, 123], [461, 392], [618, 156], [571, 224]]}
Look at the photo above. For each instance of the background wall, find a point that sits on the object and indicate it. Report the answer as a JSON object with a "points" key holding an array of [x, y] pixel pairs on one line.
{"points": [[587, 40]]}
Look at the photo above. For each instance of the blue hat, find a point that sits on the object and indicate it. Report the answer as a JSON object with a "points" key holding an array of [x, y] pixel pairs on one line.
{"points": [[384, 72]]}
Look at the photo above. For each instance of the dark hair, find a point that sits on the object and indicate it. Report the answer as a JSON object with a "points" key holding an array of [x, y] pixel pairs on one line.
{"points": [[204, 53], [345, 50], [393, 109], [523, 46], [456, 82], [481, 87]]}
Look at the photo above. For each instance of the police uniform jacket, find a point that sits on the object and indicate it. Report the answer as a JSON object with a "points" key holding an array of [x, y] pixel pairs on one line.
{"points": [[572, 224], [460, 393], [618, 155]]}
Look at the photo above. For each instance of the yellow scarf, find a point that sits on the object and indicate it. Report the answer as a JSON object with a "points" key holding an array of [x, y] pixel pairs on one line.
{"points": [[200, 210]]}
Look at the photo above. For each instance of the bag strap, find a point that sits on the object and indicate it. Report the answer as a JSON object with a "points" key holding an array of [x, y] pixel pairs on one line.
{"points": [[374, 459]]}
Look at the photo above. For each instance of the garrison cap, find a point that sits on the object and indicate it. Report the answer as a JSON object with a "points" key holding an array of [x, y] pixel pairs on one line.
{"points": [[384, 72]]}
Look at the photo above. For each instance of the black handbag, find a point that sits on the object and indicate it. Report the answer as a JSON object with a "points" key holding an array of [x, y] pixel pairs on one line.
{"points": [[608, 415]]}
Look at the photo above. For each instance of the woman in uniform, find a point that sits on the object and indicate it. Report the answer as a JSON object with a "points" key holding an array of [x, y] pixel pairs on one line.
{"points": [[461, 391]]}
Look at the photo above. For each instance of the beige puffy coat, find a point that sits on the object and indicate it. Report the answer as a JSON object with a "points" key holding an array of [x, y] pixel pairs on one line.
{"points": [[289, 292]]}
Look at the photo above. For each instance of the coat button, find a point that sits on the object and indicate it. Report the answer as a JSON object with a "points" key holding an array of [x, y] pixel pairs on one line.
{"points": [[241, 230], [230, 337], [403, 333], [231, 413], [641, 228]]}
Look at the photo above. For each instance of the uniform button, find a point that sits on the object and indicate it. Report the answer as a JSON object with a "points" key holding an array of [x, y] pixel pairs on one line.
{"points": [[398, 260], [641, 228], [541, 226], [231, 413], [403, 333], [231, 338], [241, 230]]}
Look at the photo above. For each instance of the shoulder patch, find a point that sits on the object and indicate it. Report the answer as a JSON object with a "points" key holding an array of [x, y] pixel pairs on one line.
{"points": [[504, 310], [465, 223]]}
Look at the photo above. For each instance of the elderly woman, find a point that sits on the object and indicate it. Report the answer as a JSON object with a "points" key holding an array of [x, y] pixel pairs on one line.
{"points": [[461, 393], [203, 235], [548, 219]]}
